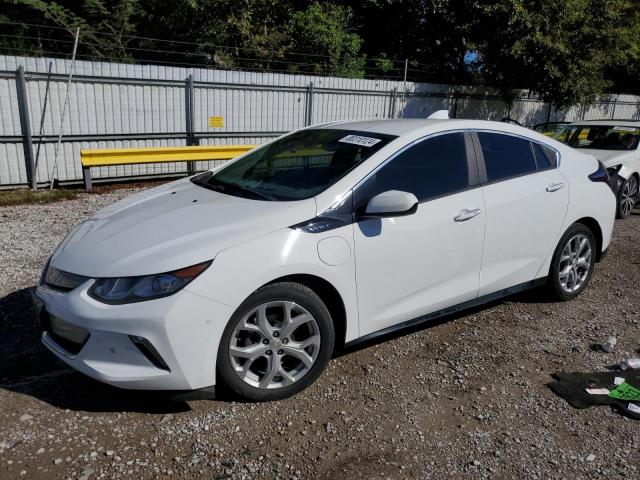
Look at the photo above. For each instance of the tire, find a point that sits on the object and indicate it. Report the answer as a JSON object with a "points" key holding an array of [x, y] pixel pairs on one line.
{"points": [[627, 197], [261, 356], [568, 275]]}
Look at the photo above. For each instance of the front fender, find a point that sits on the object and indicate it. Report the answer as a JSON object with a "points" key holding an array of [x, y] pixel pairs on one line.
{"points": [[240, 270]]}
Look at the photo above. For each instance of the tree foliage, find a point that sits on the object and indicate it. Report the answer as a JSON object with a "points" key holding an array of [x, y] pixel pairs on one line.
{"points": [[567, 51], [323, 31], [559, 49]]}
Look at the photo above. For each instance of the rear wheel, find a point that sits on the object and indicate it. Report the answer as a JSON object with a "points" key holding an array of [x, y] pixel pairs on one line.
{"points": [[627, 197], [572, 263], [277, 343]]}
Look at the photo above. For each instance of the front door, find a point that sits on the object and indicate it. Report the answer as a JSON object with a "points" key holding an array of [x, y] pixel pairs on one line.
{"points": [[413, 265]]}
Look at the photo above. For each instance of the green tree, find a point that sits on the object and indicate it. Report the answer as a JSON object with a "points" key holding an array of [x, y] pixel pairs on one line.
{"points": [[558, 49], [326, 29], [113, 17]]}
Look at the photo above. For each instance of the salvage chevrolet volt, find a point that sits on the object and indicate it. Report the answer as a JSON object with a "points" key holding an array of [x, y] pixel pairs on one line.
{"points": [[253, 274]]}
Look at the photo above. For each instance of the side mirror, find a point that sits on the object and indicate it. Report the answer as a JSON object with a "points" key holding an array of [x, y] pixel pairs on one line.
{"points": [[392, 203]]}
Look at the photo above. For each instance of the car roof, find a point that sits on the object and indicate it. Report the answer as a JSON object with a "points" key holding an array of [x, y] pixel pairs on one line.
{"points": [[610, 123], [399, 127]]}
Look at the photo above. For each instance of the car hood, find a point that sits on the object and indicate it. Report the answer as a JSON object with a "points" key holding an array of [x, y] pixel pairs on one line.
{"points": [[170, 227], [611, 158]]}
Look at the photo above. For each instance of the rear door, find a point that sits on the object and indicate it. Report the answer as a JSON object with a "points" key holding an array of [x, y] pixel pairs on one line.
{"points": [[526, 200], [412, 265]]}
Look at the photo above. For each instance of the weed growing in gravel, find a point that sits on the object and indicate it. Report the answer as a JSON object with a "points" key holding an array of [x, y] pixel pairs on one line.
{"points": [[21, 197]]}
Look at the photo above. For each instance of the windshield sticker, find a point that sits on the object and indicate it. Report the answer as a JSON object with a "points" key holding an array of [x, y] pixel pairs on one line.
{"points": [[625, 129], [361, 141]]}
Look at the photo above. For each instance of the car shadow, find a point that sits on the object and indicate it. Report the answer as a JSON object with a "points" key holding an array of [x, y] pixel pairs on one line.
{"points": [[28, 368], [402, 332], [533, 295]]}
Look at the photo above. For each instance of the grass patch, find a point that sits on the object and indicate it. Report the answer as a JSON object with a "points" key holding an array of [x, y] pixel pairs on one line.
{"points": [[24, 196]]}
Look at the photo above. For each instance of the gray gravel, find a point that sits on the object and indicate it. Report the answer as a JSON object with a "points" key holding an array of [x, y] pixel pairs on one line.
{"points": [[464, 398]]}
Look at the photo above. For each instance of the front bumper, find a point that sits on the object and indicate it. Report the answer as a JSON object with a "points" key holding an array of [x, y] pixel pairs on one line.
{"points": [[169, 343]]}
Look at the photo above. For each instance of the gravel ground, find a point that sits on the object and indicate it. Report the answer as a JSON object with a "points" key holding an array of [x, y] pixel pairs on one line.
{"points": [[464, 398]]}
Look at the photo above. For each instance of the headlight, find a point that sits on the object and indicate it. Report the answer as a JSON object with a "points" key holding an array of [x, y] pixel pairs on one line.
{"points": [[146, 287]]}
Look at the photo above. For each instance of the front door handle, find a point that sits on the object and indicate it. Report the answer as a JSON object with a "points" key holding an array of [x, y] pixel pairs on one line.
{"points": [[552, 187], [466, 214]]}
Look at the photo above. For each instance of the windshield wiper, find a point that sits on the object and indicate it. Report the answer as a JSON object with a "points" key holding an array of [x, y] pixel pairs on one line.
{"points": [[217, 185], [248, 190]]}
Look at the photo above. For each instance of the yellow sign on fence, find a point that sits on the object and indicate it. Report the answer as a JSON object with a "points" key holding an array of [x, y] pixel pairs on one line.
{"points": [[216, 122]]}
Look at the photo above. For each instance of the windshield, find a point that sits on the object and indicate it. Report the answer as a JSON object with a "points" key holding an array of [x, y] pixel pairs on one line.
{"points": [[600, 137], [298, 166], [549, 129]]}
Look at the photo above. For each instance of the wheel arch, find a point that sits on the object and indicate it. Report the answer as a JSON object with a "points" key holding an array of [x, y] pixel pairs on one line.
{"points": [[593, 225], [330, 297]]}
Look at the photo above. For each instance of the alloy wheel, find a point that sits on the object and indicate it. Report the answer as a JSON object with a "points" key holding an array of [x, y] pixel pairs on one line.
{"points": [[628, 195], [274, 345], [575, 263]]}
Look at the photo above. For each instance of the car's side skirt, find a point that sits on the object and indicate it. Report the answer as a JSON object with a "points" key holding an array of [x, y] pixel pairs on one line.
{"points": [[448, 311]]}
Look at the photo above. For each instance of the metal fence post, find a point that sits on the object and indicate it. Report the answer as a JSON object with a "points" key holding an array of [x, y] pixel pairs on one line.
{"points": [[455, 103], [615, 104], [309, 113], [86, 178], [25, 126], [392, 102], [190, 118]]}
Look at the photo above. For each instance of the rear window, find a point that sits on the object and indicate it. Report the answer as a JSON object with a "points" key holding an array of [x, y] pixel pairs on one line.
{"points": [[295, 167]]}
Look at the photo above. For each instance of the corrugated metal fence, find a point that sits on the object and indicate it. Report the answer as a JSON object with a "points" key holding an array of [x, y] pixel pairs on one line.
{"points": [[121, 105]]}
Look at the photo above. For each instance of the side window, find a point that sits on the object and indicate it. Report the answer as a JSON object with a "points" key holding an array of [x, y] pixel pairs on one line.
{"points": [[542, 160], [432, 168], [506, 156]]}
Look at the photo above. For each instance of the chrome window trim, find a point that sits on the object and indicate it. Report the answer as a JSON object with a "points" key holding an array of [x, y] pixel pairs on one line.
{"points": [[524, 137], [482, 166]]}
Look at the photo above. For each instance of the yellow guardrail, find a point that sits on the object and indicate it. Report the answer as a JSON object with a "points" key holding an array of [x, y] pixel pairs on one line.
{"points": [[129, 156]]}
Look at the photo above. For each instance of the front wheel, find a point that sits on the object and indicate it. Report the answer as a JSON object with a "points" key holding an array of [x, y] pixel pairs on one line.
{"points": [[277, 343], [627, 197], [572, 263]]}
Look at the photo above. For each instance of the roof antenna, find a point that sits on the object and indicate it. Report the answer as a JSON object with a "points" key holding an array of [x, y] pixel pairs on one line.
{"points": [[439, 115]]}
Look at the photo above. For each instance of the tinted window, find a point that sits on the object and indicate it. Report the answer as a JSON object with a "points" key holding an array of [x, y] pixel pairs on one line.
{"points": [[506, 156], [432, 168], [297, 166], [542, 159]]}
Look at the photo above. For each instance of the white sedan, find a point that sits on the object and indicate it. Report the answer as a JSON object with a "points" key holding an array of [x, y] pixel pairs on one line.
{"points": [[253, 274], [616, 144]]}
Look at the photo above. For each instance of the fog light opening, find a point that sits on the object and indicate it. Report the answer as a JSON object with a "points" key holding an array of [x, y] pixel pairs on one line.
{"points": [[149, 351]]}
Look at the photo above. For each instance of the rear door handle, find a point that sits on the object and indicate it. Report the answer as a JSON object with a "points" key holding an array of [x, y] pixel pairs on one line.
{"points": [[552, 187], [466, 214]]}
